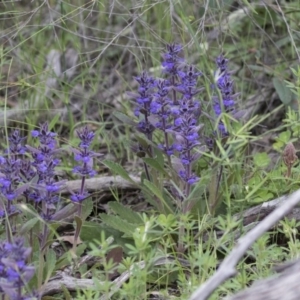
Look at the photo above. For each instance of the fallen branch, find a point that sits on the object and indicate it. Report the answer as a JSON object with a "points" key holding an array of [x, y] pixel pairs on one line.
{"points": [[101, 184], [284, 286], [227, 267]]}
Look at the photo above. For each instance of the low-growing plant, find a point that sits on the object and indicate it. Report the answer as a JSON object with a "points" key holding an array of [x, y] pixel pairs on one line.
{"points": [[192, 152]]}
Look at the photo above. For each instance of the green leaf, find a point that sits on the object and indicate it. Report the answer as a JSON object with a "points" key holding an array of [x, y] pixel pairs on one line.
{"points": [[283, 91], [262, 196], [153, 189], [264, 16], [78, 222], [150, 199], [154, 163], [67, 295], [123, 118], [118, 169], [117, 223], [90, 231], [261, 160], [54, 121], [28, 226], [159, 156], [282, 140], [143, 141], [28, 210], [50, 263], [65, 212], [87, 208], [125, 213]]}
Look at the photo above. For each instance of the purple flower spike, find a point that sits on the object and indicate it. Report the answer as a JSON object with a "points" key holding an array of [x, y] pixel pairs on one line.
{"points": [[144, 103], [46, 190], [14, 271], [84, 156], [45, 136], [188, 84], [16, 143], [225, 85], [172, 59], [86, 137]]}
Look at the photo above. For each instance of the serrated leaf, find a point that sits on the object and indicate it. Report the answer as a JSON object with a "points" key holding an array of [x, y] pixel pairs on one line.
{"points": [[261, 160], [118, 224], [87, 208], [125, 212], [283, 91], [92, 231], [123, 118], [118, 169]]}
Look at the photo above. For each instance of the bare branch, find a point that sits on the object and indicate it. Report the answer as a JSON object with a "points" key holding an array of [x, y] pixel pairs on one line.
{"points": [[104, 183]]}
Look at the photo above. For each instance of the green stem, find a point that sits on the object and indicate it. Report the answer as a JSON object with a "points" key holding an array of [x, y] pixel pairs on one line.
{"points": [[78, 228], [41, 257]]}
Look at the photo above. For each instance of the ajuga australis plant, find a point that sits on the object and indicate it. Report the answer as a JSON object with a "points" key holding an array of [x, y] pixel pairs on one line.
{"points": [[84, 156], [29, 184], [169, 110], [170, 120]]}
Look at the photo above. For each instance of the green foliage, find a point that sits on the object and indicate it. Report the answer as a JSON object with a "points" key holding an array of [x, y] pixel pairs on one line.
{"points": [[117, 169], [261, 160], [125, 213], [285, 94], [115, 41], [117, 223]]}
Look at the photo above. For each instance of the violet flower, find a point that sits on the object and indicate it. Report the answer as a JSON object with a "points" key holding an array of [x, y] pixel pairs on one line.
{"points": [[9, 184], [46, 189], [172, 59], [165, 104], [13, 181], [84, 156], [14, 271], [161, 107], [185, 125], [171, 64], [143, 103], [225, 85], [16, 144]]}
